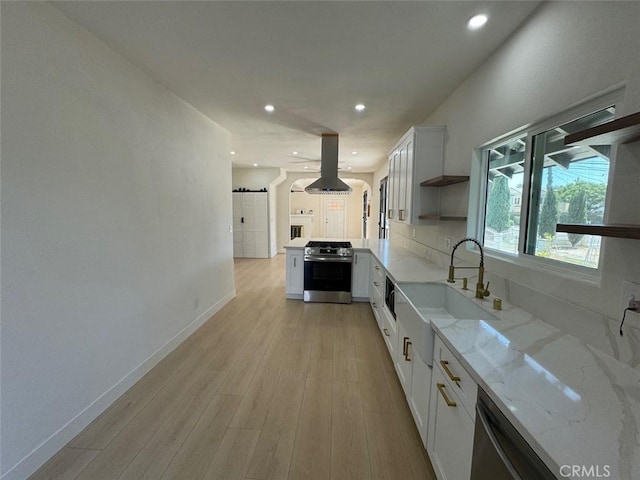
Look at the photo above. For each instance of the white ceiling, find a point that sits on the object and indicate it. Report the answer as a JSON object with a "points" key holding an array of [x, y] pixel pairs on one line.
{"points": [[313, 60]]}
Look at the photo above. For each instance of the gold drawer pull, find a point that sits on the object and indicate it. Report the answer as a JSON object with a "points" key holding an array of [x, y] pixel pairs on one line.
{"points": [[444, 395], [386, 332], [406, 353], [453, 377]]}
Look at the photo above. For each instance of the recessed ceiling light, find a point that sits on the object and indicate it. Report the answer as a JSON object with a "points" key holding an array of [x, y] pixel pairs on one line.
{"points": [[477, 21], [354, 153], [348, 168], [360, 107], [269, 108], [255, 164], [295, 153], [306, 167]]}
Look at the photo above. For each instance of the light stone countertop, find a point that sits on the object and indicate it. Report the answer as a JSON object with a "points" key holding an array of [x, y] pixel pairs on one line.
{"points": [[401, 264], [574, 404]]}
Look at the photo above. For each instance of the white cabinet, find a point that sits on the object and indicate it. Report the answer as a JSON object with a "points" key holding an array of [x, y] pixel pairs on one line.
{"points": [[414, 374], [360, 276], [419, 399], [295, 273], [418, 155], [451, 417], [403, 363], [250, 225], [376, 292], [385, 319]]}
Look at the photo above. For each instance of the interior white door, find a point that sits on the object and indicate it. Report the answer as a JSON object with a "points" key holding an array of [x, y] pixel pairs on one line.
{"points": [[334, 217]]}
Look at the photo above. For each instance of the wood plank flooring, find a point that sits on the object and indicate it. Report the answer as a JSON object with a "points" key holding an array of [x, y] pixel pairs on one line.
{"points": [[267, 389]]}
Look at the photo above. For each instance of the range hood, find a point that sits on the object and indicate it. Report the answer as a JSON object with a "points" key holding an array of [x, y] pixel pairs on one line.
{"points": [[329, 183]]}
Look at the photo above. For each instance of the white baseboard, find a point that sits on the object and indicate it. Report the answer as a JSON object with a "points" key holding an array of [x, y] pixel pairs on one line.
{"points": [[47, 449]]}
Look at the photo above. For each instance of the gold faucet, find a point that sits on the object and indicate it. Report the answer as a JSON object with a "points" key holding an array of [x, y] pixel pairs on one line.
{"points": [[481, 290]]}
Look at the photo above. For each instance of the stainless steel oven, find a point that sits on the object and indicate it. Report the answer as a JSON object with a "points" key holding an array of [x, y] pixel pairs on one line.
{"points": [[327, 272], [390, 296], [499, 451]]}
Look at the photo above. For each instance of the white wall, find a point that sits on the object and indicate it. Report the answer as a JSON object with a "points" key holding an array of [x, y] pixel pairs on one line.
{"points": [[254, 178], [284, 207], [116, 208], [564, 54]]}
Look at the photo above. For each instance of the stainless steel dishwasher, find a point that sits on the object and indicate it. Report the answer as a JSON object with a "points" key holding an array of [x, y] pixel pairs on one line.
{"points": [[499, 451]]}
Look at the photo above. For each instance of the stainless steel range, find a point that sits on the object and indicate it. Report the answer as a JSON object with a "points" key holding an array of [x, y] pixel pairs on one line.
{"points": [[327, 271]]}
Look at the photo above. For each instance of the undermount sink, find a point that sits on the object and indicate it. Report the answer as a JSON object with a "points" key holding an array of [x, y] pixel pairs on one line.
{"points": [[418, 303]]}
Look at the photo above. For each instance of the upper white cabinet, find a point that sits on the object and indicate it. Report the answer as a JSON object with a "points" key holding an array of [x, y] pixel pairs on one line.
{"points": [[418, 155], [250, 225]]}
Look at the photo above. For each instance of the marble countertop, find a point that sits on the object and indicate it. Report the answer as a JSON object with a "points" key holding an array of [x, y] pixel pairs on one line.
{"points": [[574, 404], [401, 264]]}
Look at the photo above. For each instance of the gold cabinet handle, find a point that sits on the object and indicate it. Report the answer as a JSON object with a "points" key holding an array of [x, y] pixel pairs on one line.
{"points": [[401, 214], [404, 346], [444, 395], [453, 377], [386, 332], [406, 353], [376, 284], [390, 213]]}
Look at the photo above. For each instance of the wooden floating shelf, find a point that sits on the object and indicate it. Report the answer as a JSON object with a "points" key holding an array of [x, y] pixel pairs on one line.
{"points": [[622, 130], [444, 180], [444, 218], [613, 230]]}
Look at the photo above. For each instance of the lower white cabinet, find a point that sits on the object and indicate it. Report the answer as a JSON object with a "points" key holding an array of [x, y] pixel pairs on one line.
{"points": [[360, 276], [404, 360], [415, 378], [451, 425], [390, 333], [419, 399], [295, 273]]}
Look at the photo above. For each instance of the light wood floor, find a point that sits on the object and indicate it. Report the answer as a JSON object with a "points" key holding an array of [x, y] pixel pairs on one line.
{"points": [[268, 388]]}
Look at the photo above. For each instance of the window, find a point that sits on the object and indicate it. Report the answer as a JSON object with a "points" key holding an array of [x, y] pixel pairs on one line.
{"points": [[505, 179], [533, 182]]}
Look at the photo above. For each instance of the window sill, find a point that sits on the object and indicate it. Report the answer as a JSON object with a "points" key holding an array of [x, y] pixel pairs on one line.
{"points": [[574, 273]]}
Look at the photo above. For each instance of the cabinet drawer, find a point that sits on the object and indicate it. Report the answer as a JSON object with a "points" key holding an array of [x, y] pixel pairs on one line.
{"points": [[376, 287], [377, 271], [450, 440], [459, 381], [390, 333]]}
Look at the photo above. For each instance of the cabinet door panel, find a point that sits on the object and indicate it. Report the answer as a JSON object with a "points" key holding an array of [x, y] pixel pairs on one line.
{"points": [[450, 437], [360, 278], [419, 400]]}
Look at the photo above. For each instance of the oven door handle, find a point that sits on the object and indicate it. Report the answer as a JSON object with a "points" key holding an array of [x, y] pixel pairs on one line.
{"points": [[486, 426], [311, 258]]}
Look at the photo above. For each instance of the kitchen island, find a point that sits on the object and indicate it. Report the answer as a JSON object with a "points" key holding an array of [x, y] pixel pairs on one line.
{"points": [[578, 408]]}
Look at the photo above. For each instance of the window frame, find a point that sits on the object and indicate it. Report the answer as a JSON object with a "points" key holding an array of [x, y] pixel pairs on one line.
{"points": [[480, 180]]}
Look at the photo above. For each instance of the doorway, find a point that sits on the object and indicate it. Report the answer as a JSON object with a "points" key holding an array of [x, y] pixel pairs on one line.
{"points": [[334, 217], [383, 225], [365, 213]]}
